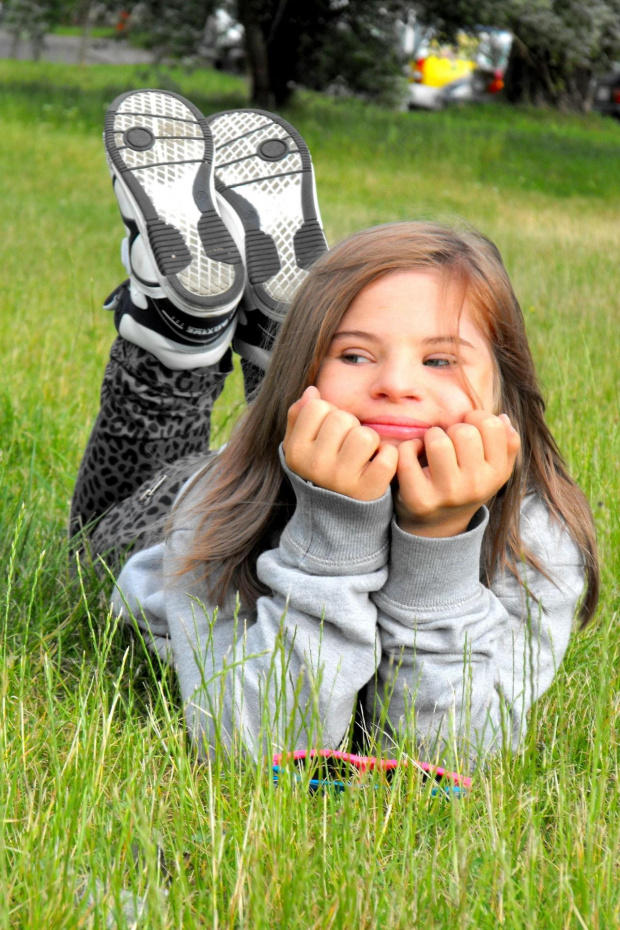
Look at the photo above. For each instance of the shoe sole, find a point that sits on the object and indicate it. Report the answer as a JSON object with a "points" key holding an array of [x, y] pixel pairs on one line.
{"points": [[160, 150], [263, 172]]}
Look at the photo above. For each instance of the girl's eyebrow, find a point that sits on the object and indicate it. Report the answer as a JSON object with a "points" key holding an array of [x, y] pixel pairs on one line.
{"points": [[429, 341], [452, 339], [358, 333]]}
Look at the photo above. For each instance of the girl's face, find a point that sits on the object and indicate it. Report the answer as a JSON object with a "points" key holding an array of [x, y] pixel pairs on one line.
{"points": [[393, 360]]}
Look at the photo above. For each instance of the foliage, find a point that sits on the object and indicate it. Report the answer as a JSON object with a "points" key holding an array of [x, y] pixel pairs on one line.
{"points": [[31, 20], [174, 27], [358, 52], [559, 44], [317, 43], [322, 43]]}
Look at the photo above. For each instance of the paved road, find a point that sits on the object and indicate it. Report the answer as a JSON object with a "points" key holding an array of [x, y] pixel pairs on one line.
{"points": [[67, 49]]}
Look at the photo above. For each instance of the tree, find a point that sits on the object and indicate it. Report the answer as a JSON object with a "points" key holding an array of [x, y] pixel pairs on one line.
{"points": [[557, 50], [317, 43], [559, 45], [175, 27], [31, 20]]}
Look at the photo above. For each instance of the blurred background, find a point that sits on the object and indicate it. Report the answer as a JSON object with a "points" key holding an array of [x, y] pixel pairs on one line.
{"points": [[423, 54]]}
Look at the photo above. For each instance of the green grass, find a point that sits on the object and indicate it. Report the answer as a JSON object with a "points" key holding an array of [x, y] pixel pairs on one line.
{"points": [[94, 760], [94, 32]]}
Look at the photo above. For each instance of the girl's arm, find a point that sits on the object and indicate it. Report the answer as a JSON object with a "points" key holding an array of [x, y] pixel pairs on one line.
{"points": [[472, 659], [301, 657]]}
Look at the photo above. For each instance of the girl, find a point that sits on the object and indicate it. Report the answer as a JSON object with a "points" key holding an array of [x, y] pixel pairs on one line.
{"points": [[390, 524]]}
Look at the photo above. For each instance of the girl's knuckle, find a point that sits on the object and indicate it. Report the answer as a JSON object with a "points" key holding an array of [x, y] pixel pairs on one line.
{"points": [[366, 435], [434, 435], [319, 409], [466, 432]]}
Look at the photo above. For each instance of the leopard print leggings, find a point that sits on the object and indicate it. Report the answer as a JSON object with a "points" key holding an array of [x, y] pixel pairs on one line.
{"points": [[152, 433]]}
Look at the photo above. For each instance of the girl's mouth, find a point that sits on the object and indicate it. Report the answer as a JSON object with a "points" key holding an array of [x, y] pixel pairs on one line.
{"points": [[402, 430]]}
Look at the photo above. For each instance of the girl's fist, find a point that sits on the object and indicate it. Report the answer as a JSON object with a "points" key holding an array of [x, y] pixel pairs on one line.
{"points": [[330, 447], [467, 464]]}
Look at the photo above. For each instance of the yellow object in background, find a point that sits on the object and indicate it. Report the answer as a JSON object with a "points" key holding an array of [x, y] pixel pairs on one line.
{"points": [[438, 71]]}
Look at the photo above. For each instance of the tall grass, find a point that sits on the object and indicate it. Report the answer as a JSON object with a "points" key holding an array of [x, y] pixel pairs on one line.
{"points": [[97, 779]]}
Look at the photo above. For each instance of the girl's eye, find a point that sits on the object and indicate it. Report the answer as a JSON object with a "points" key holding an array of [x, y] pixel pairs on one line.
{"points": [[353, 358], [440, 362]]}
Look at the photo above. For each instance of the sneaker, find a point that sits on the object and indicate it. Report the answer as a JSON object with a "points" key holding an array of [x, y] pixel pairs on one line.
{"points": [[266, 194], [148, 322], [186, 272], [255, 335]]}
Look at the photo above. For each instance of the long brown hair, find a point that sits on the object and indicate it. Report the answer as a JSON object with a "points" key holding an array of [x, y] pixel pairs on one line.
{"points": [[242, 498]]}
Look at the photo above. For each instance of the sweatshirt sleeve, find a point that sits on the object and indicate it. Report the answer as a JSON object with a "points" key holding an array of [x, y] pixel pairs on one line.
{"points": [[470, 660], [310, 645]]}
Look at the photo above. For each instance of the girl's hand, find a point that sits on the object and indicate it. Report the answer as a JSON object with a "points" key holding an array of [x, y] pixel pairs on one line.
{"points": [[330, 447], [467, 465]]}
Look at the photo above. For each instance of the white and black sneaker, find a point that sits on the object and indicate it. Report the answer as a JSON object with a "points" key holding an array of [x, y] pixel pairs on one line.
{"points": [[255, 335], [266, 194], [186, 272]]}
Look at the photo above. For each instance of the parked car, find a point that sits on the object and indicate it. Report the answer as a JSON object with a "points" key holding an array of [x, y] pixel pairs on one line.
{"points": [[433, 74], [472, 70], [607, 94]]}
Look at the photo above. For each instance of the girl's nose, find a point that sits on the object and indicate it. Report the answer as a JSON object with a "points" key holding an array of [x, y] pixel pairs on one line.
{"points": [[399, 378]]}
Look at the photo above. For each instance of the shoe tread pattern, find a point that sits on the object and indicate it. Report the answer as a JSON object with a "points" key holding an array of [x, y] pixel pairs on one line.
{"points": [[261, 256], [169, 248], [309, 243], [273, 198], [217, 242], [162, 183]]}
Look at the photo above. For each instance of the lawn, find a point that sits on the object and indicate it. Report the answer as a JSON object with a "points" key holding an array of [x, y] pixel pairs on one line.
{"points": [[96, 772]]}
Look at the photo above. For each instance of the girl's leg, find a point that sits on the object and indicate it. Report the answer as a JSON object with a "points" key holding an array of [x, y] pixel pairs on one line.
{"points": [[252, 378], [180, 308], [176, 317], [151, 434]]}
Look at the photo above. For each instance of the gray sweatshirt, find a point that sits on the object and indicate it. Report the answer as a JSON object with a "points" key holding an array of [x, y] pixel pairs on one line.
{"points": [[356, 603]]}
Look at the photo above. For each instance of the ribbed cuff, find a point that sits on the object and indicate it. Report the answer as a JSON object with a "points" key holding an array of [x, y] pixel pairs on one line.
{"points": [[330, 533], [429, 573]]}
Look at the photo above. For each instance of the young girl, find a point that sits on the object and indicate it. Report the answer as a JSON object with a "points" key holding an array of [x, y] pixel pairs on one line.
{"points": [[390, 526]]}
